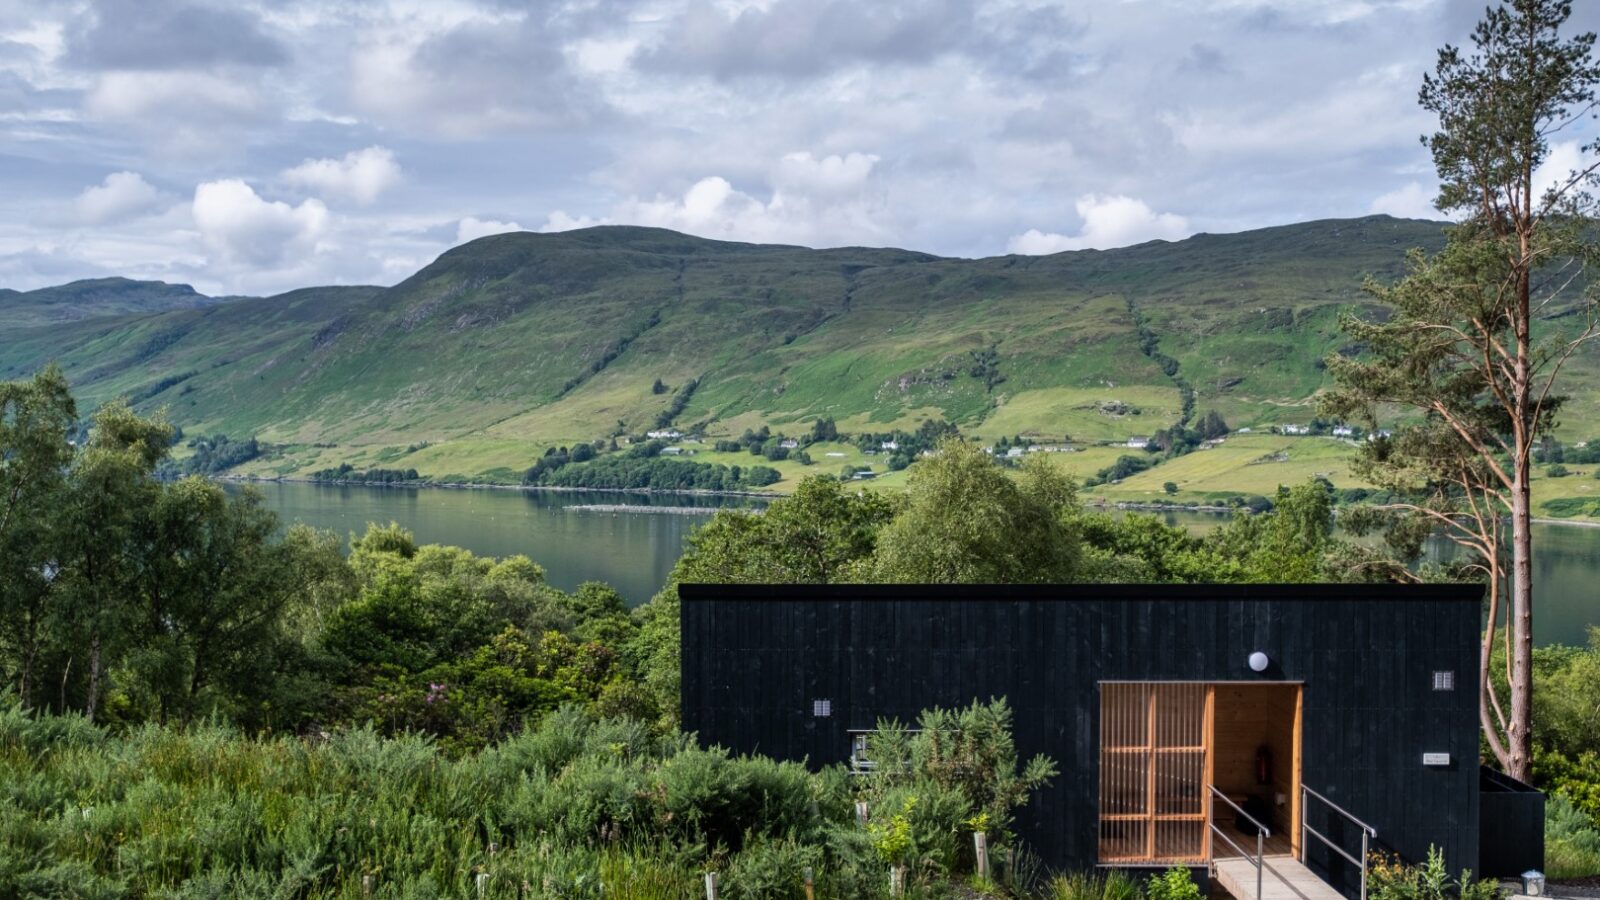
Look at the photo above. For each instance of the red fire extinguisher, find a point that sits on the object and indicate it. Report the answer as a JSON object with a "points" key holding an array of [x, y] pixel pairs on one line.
{"points": [[1263, 764]]}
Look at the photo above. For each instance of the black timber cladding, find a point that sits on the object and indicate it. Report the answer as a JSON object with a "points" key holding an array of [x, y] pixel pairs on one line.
{"points": [[755, 657]]}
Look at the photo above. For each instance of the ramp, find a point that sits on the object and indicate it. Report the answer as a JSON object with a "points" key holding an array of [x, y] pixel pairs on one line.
{"points": [[1283, 878]]}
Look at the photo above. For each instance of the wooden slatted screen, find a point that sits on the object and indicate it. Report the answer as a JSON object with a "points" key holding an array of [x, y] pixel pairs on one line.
{"points": [[1154, 740]]}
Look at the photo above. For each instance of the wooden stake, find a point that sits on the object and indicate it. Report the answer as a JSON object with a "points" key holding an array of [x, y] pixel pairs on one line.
{"points": [[711, 886], [483, 882], [810, 890], [861, 813], [980, 850], [366, 885]]}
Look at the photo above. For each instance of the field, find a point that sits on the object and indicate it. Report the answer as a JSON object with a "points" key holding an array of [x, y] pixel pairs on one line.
{"points": [[1243, 464], [1084, 414]]}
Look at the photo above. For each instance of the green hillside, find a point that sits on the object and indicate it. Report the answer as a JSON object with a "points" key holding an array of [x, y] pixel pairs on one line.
{"points": [[95, 297], [515, 343]]}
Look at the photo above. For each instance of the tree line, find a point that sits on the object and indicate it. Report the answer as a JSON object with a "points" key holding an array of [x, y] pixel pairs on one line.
{"points": [[641, 467]]}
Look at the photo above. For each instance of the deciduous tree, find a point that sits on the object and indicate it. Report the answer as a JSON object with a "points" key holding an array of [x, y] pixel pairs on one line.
{"points": [[35, 419]]}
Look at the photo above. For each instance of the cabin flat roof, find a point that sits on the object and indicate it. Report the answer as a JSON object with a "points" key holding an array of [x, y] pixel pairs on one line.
{"points": [[1077, 593]]}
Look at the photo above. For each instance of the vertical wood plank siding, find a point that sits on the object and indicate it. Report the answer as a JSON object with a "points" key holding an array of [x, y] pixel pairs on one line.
{"points": [[755, 657]]}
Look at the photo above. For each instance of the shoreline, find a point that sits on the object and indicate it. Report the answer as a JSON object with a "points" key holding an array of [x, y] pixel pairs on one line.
{"points": [[483, 486], [647, 510], [754, 495], [1162, 507]]}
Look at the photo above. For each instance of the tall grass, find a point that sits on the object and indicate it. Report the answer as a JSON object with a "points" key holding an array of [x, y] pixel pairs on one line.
{"points": [[579, 807]]}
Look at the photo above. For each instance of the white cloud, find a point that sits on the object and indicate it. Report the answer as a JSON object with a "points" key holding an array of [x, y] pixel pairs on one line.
{"points": [[813, 200], [181, 114], [360, 176], [242, 227], [1412, 201], [710, 205], [560, 221], [131, 96], [122, 196], [1565, 158], [830, 176], [470, 229], [485, 74], [937, 125], [1108, 221]]}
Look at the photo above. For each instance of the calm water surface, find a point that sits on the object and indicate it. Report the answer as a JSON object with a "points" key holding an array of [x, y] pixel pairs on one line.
{"points": [[634, 551], [631, 551]]}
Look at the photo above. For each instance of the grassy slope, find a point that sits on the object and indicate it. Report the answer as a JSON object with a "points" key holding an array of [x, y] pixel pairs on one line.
{"points": [[95, 297], [515, 343]]}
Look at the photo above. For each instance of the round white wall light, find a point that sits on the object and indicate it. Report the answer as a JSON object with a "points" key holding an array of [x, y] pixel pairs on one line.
{"points": [[1258, 661]]}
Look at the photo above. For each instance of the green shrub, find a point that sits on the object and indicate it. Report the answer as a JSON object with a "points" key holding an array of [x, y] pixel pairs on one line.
{"points": [[577, 805], [1390, 879], [854, 867], [771, 870], [1571, 840], [1173, 884], [1576, 778], [969, 752], [1113, 885]]}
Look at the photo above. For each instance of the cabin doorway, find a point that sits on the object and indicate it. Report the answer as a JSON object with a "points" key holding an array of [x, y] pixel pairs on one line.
{"points": [[1255, 765], [1185, 766]]}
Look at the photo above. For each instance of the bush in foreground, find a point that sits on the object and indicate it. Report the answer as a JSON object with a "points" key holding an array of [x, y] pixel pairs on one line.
{"points": [[555, 811]]}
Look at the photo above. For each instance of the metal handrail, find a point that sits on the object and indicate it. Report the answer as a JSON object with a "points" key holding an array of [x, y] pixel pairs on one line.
{"points": [[1371, 832], [1236, 808], [1262, 833], [1367, 834]]}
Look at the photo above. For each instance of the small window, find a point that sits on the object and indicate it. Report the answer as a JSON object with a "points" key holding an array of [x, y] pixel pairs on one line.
{"points": [[822, 709], [1444, 681], [861, 763], [858, 752]]}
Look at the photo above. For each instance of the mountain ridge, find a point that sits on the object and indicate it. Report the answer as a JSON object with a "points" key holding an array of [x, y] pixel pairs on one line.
{"points": [[511, 344], [95, 297]]}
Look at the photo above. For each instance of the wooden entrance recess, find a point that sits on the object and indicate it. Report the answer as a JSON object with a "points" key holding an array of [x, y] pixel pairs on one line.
{"points": [[1167, 747]]}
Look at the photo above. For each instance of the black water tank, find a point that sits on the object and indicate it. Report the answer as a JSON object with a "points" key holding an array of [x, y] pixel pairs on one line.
{"points": [[1511, 826]]}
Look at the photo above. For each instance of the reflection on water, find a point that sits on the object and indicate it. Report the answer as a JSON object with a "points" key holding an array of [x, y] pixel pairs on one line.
{"points": [[633, 551]]}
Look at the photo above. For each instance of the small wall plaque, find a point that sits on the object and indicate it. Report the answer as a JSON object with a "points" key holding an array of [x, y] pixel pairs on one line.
{"points": [[1436, 759]]}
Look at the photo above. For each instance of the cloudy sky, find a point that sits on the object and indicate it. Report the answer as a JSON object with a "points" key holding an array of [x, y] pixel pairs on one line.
{"points": [[252, 147]]}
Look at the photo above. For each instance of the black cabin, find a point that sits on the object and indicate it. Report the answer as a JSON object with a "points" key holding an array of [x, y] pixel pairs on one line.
{"points": [[1176, 713]]}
